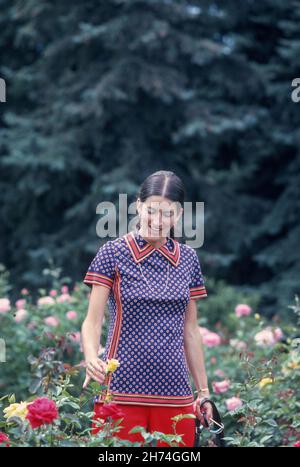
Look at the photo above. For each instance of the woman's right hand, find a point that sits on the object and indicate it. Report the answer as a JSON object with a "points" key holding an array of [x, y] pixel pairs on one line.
{"points": [[95, 369]]}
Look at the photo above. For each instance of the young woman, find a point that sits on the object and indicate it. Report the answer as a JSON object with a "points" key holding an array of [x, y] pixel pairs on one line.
{"points": [[151, 283]]}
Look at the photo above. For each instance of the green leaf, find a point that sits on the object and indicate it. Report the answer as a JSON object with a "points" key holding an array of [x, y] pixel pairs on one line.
{"points": [[271, 422], [265, 438], [12, 399]]}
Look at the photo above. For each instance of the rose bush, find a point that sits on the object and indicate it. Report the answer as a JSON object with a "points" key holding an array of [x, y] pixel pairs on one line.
{"points": [[252, 363]]}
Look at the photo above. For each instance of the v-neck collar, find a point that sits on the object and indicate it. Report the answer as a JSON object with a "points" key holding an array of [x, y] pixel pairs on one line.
{"points": [[140, 248]]}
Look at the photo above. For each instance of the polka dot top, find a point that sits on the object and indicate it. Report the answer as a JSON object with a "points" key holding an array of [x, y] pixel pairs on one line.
{"points": [[146, 326]]}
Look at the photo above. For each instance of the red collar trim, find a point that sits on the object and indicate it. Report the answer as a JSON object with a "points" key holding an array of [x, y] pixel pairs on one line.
{"points": [[141, 248]]}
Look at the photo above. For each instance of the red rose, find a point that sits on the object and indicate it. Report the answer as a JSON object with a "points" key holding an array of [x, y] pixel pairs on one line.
{"points": [[297, 444], [41, 411], [111, 410], [4, 439]]}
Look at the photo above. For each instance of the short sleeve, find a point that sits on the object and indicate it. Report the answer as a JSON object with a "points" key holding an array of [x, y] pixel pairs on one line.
{"points": [[197, 287], [102, 268]]}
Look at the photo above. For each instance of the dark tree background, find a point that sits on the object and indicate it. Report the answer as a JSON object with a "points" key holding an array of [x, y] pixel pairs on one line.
{"points": [[102, 93]]}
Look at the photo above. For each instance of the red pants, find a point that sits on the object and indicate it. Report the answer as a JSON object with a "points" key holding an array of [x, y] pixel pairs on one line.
{"points": [[153, 418]]}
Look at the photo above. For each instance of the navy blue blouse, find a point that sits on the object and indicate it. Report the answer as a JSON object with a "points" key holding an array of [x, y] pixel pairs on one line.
{"points": [[150, 289]]}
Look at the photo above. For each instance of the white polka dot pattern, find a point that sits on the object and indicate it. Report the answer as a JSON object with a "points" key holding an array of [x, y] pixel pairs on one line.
{"points": [[146, 327]]}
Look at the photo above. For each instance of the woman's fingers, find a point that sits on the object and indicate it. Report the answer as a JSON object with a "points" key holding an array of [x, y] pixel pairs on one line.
{"points": [[86, 381], [95, 368], [100, 365], [97, 376], [206, 408], [198, 412], [92, 375], [103, 365]]}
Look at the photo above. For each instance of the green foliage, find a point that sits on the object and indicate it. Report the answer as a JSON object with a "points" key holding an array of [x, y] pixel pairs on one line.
{"points": [[218, 308], [45, 359]]}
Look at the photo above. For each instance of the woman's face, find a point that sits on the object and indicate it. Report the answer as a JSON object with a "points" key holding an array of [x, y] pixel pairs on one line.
{"points": [[157, 216]]}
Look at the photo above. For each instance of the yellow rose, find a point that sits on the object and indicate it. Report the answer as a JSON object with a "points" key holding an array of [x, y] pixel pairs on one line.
{"points": [[112, 365], [293, 365], [257, 316], [263, 382], [16, 410]]}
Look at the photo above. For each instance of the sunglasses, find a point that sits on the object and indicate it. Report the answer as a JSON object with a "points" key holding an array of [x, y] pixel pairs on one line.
{"points": [[208, 425]]}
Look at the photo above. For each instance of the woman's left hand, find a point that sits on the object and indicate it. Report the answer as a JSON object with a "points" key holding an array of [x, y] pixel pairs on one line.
{"points": [[206, 406]]}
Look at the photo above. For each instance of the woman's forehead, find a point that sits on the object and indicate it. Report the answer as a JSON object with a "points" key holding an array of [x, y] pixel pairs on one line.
{"points": [[160, 201]]}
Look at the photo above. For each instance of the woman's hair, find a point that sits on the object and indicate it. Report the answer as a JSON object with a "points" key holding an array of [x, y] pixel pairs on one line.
{"points": [[162, 183]]}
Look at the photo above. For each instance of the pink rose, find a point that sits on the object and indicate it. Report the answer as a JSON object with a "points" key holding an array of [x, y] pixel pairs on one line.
{"points": [[210, 339], [220, 386], [4, 305], [64, 289], [64, 298], [203, 330], [51, 321], [71, 314], [268, 337], [278, 334], [46, 301], [20, 303], [233, 403], [24, 291], [242, 310], [75, 336], [53, 293], [239, 345], [265, 338], [20, 315]]}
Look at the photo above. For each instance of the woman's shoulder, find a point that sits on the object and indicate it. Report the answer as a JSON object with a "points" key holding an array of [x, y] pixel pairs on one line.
{"points": [[118, 245], [187, 249]]}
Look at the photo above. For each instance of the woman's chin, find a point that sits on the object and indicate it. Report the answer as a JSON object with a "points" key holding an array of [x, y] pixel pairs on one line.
{"points": [[154, 234]]}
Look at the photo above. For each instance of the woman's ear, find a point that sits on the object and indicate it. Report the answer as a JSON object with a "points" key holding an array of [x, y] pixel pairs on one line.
{"points": [[138, 205], [178, 216]]}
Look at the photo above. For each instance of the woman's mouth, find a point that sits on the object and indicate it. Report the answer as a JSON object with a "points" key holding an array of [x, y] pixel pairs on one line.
{"points": [[155, 229]]}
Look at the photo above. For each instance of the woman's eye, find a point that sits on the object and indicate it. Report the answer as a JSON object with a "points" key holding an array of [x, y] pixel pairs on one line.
{"points": [[165, 213], [151, 211]]}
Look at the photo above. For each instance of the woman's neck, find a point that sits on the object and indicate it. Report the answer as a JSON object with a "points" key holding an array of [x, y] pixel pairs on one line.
{"points": [[155, 242]]}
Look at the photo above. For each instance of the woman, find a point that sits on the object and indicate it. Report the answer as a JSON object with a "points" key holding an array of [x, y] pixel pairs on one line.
{"points": [[151, 283]]}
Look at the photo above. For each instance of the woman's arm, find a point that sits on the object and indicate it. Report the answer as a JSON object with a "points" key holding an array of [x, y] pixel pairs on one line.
{"points": [[91, 333], [194, 349]]}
